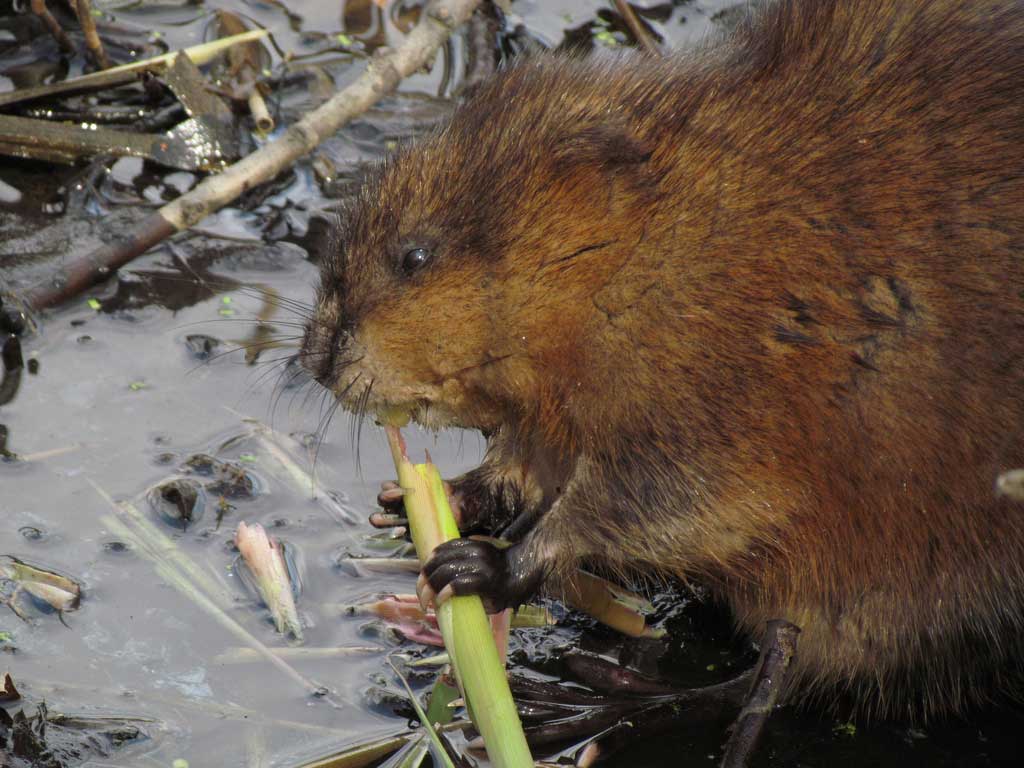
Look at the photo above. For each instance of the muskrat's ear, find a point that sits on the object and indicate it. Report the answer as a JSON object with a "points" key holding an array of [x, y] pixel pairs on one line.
{"points": [[608, 145]]}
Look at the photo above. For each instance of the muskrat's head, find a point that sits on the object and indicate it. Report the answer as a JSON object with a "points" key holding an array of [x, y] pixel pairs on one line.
{"points": [[459, 286]]}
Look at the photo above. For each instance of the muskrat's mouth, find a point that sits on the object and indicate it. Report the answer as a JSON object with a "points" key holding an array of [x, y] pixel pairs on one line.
{"points": [[424, 412], [390, 401]]}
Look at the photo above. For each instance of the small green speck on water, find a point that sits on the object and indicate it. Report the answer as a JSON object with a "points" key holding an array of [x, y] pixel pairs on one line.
{"points": [[711, 667], [344, 39], [606, 38], [179, 762], [844, 729], [94, 304], [248, 458], [135, 386], [6, 637], [225, 312], [225, 299]]}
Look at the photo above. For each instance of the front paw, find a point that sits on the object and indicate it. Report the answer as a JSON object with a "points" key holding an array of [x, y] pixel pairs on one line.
{"points": [[503, 578], [391, 500]]}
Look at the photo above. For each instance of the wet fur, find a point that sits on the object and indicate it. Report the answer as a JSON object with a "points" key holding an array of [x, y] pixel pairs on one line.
{"points": [[751, 315]]}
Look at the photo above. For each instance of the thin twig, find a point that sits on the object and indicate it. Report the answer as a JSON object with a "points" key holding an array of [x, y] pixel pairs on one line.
{"points": [[39, 9], [382, 75], [640, 32], [776, 654], [260, 114], [92, 37]]}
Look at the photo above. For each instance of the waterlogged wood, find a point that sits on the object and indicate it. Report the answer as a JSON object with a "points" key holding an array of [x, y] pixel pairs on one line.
{"points": [[382, 75], [61, 142], [126, 73], [778, 649], [462, 620], [83, 9]]}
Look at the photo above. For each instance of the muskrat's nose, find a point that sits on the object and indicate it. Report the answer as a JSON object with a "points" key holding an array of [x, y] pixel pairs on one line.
{"points": [[319, 349]]}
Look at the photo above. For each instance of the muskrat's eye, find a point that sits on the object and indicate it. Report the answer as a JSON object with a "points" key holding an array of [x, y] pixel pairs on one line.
{"points": [[415, 259]]}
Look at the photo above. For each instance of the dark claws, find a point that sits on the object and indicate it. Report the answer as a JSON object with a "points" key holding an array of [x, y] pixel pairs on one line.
{"points": [[502, 578]]}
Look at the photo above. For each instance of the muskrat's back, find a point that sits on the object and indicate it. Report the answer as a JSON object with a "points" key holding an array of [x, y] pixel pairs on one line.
{"points": [[752, 315]]}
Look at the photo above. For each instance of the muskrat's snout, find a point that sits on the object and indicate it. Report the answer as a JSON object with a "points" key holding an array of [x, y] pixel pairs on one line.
{"points": [[322, 342], [314, 354]]}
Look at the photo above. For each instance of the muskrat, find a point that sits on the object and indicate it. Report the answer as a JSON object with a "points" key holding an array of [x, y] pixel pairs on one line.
{"points": [[751, 315]]}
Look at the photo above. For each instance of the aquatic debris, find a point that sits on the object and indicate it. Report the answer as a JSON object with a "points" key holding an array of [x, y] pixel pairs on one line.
{"points": [[227, 479], [184, 574], [266, 561], [395, 608], [281, 448], [126, 73], [364, 753], [405, 615], [242, 655], [418, 47], [443, 699], [61, 593], [13, 318], [206, 140], [439, 752], [354, 563], [189, 146], [209, 136], [201, 346], [11, 364], [53, 740], [240, 79], [179, 501], [418, 633], [8, 691]]}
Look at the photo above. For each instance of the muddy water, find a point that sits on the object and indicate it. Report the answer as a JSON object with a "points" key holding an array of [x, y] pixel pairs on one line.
{"points": [[122, 400]]}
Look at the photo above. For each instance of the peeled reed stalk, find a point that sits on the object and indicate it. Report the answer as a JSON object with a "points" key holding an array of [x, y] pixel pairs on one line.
{"points": [[612, 607], [265, 559], [463, 622]]}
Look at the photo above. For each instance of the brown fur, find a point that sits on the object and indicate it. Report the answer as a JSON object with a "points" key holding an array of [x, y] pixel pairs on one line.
{"points": [[752, 315]]}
